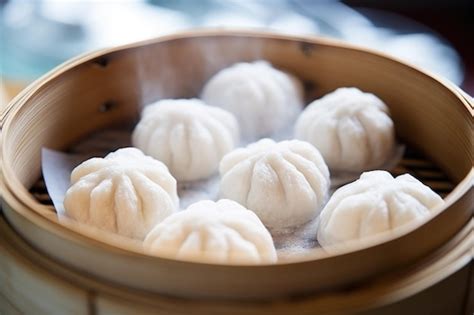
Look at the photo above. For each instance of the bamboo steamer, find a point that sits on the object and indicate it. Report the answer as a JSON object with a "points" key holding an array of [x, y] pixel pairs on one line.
{"points": [[108, 88]]}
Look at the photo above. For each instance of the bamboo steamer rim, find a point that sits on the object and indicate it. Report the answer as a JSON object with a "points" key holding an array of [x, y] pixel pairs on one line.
{"points": [[385, 291], [15, 194]]}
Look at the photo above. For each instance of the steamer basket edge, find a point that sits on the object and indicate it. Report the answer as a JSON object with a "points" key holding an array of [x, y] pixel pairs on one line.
{"points": [[392, 294]]}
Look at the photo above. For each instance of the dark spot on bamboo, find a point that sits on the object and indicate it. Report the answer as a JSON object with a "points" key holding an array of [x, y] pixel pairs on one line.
{"points": [[107, 106], [309, 86], [307, 48], [101, 61]]}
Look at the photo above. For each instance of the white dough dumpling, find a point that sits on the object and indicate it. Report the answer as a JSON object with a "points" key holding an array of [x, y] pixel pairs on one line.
{"points": [[375, 203], [126, 193], [187, 135], [352, 130], [263, 99], [284, 183], [213, 232]]}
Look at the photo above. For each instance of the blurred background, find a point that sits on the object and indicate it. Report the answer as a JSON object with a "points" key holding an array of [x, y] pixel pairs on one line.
{"points": [[37, 35]]}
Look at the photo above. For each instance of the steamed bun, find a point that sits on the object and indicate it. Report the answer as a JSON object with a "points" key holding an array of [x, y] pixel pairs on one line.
{"points": [[284, 183], [375, 203], [352, 130], [263, 99], [213, 232], [187, 135], [126, 193]]}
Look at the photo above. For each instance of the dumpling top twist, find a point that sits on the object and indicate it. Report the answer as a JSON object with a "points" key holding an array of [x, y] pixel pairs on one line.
{"points": [[213, 232], [126, 193], [263, 99], [375, 203], [352, 130], [187, 135], [284, 183]]}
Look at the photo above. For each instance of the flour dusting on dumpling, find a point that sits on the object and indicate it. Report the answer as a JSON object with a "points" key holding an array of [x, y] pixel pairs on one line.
{"points": [[284, 183], [352, 130], [213, 232], [375, 203], [126, 193], [264, 99], [187, 135]]}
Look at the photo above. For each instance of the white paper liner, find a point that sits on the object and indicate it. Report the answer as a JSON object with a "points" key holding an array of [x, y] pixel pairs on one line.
{"points": [[57, 167], [191, 192]]}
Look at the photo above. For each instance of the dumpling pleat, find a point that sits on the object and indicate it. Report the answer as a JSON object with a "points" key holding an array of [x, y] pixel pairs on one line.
{"points": [[101, 200], [129, 207]]}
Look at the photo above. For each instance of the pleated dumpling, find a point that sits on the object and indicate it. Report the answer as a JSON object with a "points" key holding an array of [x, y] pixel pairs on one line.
{"points": [[126, 193], [187, 135], [284, 183], [263, 98], [352, 130], [375, 203], [221, 232]]}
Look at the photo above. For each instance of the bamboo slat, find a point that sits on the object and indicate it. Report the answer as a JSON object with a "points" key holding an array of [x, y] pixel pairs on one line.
{"points": [[27, 289]]}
